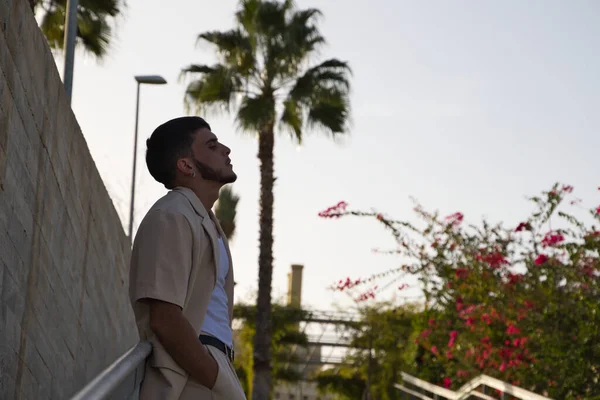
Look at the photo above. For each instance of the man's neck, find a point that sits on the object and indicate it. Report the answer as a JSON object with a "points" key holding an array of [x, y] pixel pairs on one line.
{"points": [[208, 195], [206, 191]]}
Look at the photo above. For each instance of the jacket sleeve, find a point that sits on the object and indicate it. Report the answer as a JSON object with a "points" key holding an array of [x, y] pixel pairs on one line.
{"points": [[161, 258]]}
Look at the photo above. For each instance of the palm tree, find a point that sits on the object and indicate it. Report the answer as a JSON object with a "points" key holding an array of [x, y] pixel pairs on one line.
{"points": [[263, 72], [226, 211], [93, 29], [287, 338]]}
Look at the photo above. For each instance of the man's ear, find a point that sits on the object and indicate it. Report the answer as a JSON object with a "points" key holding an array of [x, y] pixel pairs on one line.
{"points": [[184, 166]]}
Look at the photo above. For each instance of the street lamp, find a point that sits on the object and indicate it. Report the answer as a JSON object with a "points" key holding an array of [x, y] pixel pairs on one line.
{"points": [[141, 79], [69, 45]]}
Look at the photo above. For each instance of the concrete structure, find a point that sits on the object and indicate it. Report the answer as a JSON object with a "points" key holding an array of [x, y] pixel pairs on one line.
{"points": [[303, 390], [64, 311], [294, 294]]}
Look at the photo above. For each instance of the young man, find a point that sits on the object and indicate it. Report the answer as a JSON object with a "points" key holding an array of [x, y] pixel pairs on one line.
{"points": [[181, 276]]}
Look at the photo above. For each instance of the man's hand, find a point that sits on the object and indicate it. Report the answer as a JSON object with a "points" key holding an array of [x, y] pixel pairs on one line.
{"points": [[179, 339], [215, 368]]}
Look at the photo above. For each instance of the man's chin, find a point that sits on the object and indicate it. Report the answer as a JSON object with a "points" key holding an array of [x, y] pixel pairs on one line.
{"points": [[230, 178]]}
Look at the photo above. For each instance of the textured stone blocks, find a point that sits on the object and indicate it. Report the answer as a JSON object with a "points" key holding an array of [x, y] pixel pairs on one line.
{"points": [[64, 308]]}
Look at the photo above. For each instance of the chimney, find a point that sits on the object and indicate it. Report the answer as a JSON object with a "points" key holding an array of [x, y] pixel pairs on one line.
{"points": [[295, 286]]}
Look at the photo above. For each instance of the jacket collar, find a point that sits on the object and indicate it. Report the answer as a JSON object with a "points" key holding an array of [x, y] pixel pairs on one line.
{"points": [[199, 207], [193, 199]]}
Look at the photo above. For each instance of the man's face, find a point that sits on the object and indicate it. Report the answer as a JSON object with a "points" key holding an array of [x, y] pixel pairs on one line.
{"points": [[212, 158]]}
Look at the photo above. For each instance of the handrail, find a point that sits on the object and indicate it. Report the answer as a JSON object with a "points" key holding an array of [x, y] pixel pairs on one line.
{"points": [[503, 387], [453, 395], [430, 387], [469, 388], [108, 380]]}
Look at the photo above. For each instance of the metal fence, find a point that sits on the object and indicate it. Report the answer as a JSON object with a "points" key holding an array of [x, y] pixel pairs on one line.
{"points": [[477, 388]]}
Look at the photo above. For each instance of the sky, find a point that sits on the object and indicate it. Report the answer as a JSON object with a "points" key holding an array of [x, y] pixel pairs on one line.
{"points": [[464, 105]]}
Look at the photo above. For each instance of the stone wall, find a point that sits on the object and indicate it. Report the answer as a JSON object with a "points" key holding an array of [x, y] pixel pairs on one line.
{"points": [[64, 310]]}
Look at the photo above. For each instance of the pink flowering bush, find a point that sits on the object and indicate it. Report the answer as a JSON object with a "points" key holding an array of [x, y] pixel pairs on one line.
{"points": [[518, 303]]}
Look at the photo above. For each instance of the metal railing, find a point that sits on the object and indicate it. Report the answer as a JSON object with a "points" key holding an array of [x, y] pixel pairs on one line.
{"points": [[113, 375], [468, 389]]}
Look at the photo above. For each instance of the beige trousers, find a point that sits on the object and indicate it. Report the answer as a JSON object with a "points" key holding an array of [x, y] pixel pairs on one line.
{"points": [[227, 386]]}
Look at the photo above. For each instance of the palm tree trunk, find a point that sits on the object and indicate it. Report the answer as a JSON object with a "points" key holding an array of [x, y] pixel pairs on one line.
{"points": [[261, 386]]}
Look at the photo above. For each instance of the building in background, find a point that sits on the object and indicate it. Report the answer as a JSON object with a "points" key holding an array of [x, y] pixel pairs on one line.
{"points": [[310, 356]]}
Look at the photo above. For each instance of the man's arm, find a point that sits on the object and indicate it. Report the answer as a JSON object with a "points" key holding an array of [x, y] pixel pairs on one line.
{"points": [[179, 339], [160, 271]]}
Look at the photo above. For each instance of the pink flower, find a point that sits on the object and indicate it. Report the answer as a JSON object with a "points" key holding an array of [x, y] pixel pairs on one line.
{"points": [[495, 259], [528, 304], [514, 278], [512, 330], [455, 219], [552, 239], [459, 303], [486, 318], [346, 284], [434, 350], [453, 335], [447, 382], [567, 188], [542, 258], [461, 273], [462, 373], [334, 211], [523, 226], [598, 210]]}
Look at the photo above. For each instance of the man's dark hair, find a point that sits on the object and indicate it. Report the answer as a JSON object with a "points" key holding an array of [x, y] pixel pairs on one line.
{"points": [[169, 142]]}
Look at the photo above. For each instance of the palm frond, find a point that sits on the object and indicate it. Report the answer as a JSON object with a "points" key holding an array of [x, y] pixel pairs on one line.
{"points": [[93, 29], [329, 111], [246, 15], [53, 27], [292, 119], [271, 17], [213, 90], [226, 211], [331, 73], [102, 7], [319, 99], [255, 113], [234, 49], [302, 35], [196, 68], [95, 33]]}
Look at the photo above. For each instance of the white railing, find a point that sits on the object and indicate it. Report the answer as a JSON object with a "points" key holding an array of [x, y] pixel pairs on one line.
{"points": [[109, 379], [468, 389]]}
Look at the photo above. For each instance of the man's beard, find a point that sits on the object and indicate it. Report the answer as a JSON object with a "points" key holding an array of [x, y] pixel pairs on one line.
{"points": [[211, 174]]}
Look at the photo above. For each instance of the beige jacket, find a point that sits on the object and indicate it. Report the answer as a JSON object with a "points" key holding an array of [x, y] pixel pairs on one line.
{"points": [[175, 259]]}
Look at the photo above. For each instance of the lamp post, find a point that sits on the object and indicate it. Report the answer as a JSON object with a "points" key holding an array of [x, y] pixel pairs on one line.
{"points": [[69, 45], [141, 79]]}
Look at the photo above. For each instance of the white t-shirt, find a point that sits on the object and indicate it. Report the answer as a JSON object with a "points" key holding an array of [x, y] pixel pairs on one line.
{"points": [[216, 321]]}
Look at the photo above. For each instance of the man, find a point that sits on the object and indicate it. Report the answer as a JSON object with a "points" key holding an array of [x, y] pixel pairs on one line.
{"points": [[181, 276]]}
